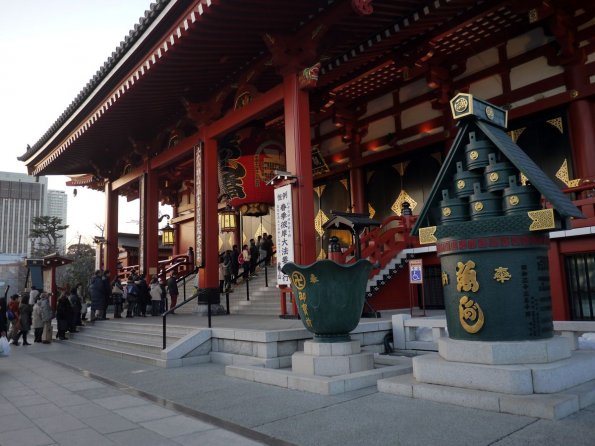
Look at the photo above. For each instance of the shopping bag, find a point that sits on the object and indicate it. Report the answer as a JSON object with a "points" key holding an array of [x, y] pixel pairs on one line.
{"points": [[4, 346]]}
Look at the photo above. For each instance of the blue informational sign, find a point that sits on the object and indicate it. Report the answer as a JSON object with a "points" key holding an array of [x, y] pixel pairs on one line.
{"points": [[416, 271]]}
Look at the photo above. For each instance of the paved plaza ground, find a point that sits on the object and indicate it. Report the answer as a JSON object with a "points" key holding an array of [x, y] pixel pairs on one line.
{"points": [[58, 394]]}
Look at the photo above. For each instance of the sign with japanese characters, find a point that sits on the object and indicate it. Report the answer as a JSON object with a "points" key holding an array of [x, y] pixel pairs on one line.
{"points": [[416, 271], [284, 231]]}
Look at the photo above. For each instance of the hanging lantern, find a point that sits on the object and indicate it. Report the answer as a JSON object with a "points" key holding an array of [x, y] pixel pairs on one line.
{"points": [[167, 235], [248, 159], [227, 220]]}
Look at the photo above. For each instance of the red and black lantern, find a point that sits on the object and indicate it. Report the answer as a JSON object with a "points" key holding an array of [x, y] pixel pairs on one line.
{"points": [[248, 159]]}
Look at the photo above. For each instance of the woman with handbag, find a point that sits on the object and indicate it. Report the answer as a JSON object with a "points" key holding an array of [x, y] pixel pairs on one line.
{"points": [[13, 316]]}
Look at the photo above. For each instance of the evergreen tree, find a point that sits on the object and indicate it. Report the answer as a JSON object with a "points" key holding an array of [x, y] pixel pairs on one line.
{"points": [[45, 235]]}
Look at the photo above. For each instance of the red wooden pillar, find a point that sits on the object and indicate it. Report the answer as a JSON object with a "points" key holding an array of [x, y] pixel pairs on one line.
{"points": [[151, 216], [209, 278], [560, 308], [298, 153], [111, 229], [581, 117]]}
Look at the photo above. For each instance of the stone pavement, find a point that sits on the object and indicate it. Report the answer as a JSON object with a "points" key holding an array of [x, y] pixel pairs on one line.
{"points": [[205, 395], [43, 403]]}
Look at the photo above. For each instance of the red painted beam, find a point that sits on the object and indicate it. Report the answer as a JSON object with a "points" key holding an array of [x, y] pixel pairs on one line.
{"points": [[236, 118]]}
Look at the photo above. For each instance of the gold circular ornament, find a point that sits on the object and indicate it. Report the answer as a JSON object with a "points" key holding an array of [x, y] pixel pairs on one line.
{"points": [[478, 206], [513, 200], [298, 280], [460, 184], [446, 212], [494, 177], [461, 104], [473, 155], [490, 113]]}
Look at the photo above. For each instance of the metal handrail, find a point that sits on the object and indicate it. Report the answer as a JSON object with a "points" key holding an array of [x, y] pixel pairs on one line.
{"points": [[266, 276], [171, 310]]}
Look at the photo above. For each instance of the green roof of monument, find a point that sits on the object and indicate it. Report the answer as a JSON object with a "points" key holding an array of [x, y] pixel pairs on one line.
{"points": [[481, 117]]}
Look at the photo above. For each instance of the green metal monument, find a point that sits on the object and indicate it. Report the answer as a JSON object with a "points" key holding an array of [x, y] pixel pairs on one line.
{"points": [[487, 219]]}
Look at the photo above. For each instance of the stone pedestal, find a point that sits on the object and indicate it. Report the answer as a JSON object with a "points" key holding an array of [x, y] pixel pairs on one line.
{"points": [[331, 359], [541, 378]]}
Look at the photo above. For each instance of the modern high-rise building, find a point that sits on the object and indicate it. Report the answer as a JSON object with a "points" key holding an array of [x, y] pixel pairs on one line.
{"points": [[22, 197], [57, 205]]}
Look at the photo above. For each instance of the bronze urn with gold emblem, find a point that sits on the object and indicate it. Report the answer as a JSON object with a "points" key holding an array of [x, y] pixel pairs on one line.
{"points": [[330, 296]]}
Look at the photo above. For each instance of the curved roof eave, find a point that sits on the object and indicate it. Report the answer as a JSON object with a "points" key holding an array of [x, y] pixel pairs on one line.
{"points": [[112, 61]]}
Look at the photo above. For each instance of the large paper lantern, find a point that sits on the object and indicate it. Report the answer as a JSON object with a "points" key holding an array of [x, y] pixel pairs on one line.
{"points": [[248, 159]]}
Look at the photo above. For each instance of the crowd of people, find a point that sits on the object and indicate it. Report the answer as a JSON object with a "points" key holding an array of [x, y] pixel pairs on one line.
{"points": [[21, 313], [259, 252]]}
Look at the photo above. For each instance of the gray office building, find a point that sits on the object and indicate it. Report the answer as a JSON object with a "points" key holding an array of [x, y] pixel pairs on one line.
{"points": [[57, 207]]}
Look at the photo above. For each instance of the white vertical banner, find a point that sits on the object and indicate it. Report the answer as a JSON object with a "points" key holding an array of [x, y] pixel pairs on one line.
{"points": [[198, 206], [284, 231]]}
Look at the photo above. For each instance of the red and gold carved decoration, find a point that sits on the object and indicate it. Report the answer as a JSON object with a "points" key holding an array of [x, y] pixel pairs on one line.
{"points": [[248, 159], [308, 77]]}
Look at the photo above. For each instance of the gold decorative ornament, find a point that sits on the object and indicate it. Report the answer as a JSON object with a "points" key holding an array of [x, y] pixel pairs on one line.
{"points": [[305, 309], [542, 220], [473, 155], [557, 122], [403, 197], [371, 210], [460, 184], [313, 279], [524, 179], [494, 177], [446, 212], [563, 175], [319, 221], [469, 310], [513, 200], [426, 235], [501, 274], [514, 134], [298, 280], [467, 277], [321, 255], [444, 278], [478, 206], [461, 104], [490, 113]]}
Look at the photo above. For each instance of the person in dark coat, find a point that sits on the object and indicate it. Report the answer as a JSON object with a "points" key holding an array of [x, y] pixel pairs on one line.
{"points": [[63, 316], [253, 257], [3, 308], [143, 296], [97, 291], [25, 311], [235, 266], [131, 296], [107, 294], [77, 305]]}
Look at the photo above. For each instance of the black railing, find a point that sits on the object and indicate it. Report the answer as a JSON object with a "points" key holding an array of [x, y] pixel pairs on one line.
{"points": [[183, 280], [580, 277], [266, 276], [171, 310]]}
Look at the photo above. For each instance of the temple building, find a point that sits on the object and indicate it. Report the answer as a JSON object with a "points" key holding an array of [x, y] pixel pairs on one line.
{"points": [[209, 105]]}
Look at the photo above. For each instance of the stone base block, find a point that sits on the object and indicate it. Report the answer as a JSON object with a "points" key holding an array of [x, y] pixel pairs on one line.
{"points": [[305, 364], [432, 369], [553, 406], [323, 385], [519, 379], [203, 310], [521, 352], [332, 348]]}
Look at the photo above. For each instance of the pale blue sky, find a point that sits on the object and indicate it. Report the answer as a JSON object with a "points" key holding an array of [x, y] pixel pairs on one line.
{"points": [[50, 49]]}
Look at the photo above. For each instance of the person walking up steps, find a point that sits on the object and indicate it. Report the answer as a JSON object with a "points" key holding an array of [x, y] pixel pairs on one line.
{"points": [[172, 288]]}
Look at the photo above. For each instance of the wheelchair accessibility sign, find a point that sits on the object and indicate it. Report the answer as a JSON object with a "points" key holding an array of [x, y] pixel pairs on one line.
{"points": [[416, 271]]}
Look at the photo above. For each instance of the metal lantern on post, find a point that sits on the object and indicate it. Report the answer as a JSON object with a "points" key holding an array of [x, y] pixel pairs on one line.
{"points": [[167, 233], [227, 219]]}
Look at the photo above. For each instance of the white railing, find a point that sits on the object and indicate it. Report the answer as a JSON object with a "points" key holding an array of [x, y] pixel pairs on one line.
{"points": [[423, 333]]}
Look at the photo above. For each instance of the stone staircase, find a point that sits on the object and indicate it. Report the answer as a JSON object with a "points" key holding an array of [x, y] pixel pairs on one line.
{"points": [[141, 342], [264, 301], [391, 269]]}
